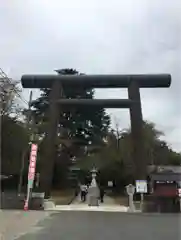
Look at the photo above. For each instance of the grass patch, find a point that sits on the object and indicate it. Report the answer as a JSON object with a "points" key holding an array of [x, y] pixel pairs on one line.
{"points": [[63, 197]]}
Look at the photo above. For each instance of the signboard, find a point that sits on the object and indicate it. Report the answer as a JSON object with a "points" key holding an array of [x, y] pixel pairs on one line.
{"points": [[110, 183], [141, 186], [130, 189], [32, 165]]}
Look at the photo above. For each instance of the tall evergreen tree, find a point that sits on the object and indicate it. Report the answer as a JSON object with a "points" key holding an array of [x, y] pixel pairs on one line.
{"points": [[80, 125]]}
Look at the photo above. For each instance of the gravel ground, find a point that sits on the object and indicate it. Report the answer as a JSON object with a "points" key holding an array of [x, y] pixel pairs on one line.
{"points": [[104, 226]]}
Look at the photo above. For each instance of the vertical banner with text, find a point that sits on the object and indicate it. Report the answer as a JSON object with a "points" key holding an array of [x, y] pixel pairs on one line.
{"points": [[32, 165], [31, 172]]}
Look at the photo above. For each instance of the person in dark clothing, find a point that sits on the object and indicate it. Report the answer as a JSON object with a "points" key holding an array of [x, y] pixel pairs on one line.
{"points": [[83, 189], [102, 192]]}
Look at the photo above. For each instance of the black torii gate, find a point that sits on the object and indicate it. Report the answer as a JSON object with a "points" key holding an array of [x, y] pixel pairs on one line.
{"points": [[58, 82]]}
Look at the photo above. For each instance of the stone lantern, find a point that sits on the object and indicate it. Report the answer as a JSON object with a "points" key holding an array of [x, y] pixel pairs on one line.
{"points": [[93, 191]]}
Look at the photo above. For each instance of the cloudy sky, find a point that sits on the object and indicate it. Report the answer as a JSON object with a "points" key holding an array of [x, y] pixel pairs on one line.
{"points": [[100, 37]]}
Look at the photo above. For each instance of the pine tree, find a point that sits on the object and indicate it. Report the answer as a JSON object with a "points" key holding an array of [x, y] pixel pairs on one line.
{"points": [[81, 124]]}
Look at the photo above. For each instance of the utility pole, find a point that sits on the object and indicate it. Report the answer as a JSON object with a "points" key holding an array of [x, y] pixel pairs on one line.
{"points": [[25, 151]]}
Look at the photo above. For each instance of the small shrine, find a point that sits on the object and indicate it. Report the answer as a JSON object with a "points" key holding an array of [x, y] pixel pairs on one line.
{"points": [[165, 185]]}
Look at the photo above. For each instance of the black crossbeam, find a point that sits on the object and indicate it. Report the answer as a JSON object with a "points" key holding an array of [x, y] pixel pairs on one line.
{"points": [[102, 103], [97, 81]]}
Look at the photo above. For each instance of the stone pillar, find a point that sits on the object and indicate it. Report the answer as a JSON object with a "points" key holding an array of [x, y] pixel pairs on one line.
{"points": [[49, 148], [137, 131]]}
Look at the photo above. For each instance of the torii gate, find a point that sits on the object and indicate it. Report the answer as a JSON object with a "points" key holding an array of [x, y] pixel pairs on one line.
{"points": [[58, 82]]}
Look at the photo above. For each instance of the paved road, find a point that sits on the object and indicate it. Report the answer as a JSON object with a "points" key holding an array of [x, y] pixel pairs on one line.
{"points": [[13, 223], [106, 226]]}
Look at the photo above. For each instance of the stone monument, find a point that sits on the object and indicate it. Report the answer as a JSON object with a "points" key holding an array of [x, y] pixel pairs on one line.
{"points": [[130, 189], [93, 191]]}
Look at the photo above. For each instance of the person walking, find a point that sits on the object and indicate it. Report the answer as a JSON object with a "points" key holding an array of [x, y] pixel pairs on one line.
{"points": [[83, 189]]}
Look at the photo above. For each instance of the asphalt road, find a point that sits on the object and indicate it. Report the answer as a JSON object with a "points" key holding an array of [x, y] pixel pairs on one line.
{"points": [[106, 226]]}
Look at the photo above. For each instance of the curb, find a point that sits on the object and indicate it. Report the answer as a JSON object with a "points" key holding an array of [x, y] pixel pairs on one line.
{"points": [[88, 208]]}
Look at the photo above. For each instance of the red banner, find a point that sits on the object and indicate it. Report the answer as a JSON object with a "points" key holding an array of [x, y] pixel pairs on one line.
{"points": [[32, 165]]}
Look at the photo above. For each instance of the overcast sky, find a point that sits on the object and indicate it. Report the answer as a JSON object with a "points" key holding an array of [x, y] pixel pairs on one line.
{"points": [[100, 37]]}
